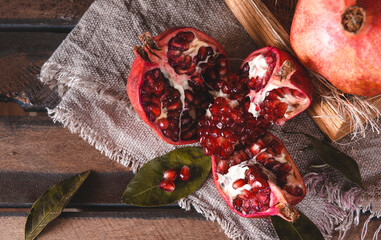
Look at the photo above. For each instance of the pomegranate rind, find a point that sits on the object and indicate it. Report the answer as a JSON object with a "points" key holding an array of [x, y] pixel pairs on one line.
{"points": [[281, 203], [351, 62], [139, 67], [297, 79]]}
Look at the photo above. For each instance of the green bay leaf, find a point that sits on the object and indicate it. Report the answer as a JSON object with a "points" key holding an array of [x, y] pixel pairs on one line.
{"points": [[143, 190], [338, 160], [301, 229], [50, 204]]}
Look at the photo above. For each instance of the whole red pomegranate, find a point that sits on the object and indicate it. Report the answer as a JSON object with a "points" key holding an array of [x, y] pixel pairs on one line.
{"points": [[340, 40], [182, 86]]}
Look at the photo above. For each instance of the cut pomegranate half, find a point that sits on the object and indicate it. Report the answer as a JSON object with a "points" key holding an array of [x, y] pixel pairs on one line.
{"points": [[279, 87], [169, 81], [261, 180]]}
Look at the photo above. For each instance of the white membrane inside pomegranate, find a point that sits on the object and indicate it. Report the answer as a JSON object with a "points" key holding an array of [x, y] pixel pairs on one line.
{"points": [[175, 91], [256, 179], [272, 95]]}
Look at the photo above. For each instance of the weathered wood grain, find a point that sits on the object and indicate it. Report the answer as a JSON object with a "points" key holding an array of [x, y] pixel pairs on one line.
{"points": [[29, 33], [35, 153], [129, 225], [21, 58], [43, 9]]}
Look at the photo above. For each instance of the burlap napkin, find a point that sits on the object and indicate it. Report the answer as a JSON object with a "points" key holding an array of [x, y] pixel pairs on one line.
{"points": [[90, 68]]}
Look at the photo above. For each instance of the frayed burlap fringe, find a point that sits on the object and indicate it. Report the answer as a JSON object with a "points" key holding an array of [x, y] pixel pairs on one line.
{"points": [[229, 229], [56, 77], [343, 208], [105, 146]]}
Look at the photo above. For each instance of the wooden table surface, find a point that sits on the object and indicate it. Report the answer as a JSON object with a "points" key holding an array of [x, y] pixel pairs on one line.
{"points": [[35, 153]]}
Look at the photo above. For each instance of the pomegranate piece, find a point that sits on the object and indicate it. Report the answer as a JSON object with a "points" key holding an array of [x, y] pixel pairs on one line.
{"points": [[279, 88], [170, 80], [260, 181], [184, 174], [340, 40], [170, 174], [167, 185]]}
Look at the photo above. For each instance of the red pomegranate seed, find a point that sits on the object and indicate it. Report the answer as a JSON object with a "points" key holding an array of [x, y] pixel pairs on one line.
{"points": [[276, 166], [167, 185], [207, 151], [276, 146], [300, 95], [252, 171], [163, 123], [263, 198], [170, 174], [255, 148], [185, 36], [222, 71], [271, 151], [247, 194], [294, 190], [286, 91], [155, 100], [227, 151], [272, 96], [280, 110], [279, 92], [201, 54], [188, 134], [286, 167], [222, 167], [262, 157], [155, 111], [175, 45], [174, 53], [185, 120], [237, 203], [239, 183], [269, 163], [221, 100], [223, 63], [191, 69], [189, 95], [210, 143], [185, 174], [227, 133], [174, 106]]}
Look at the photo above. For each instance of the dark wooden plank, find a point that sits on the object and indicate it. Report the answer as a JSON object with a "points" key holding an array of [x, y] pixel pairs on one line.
{"points": [[45, 9], [128, 225], [21, 189], [21, 58], [29, 33], [36, 26], [35, 153]]}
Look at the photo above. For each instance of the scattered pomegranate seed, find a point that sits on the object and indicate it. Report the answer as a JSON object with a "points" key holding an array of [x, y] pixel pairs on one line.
{"points": [[170, 174], [167, 185], [185, 174]]}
